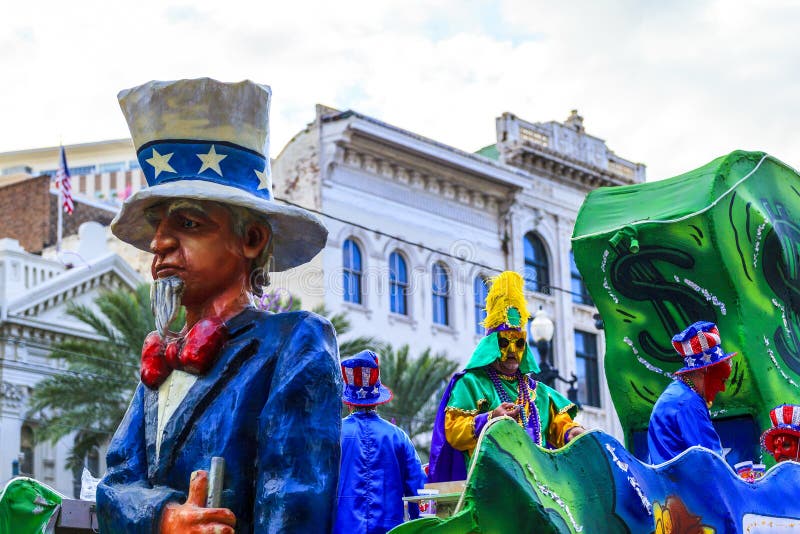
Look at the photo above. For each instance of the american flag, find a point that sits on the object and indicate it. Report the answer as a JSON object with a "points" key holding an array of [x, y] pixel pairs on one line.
{"points": [[64, 182]]}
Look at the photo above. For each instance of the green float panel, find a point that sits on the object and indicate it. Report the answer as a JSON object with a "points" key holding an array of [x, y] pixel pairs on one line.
{"points": [[718, 244]]}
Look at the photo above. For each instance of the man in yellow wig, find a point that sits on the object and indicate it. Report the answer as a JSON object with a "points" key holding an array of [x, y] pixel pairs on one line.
{"points": [[495, 383]]}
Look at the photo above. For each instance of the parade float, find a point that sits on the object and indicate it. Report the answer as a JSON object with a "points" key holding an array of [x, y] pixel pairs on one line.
{"points": [[718, 244]]}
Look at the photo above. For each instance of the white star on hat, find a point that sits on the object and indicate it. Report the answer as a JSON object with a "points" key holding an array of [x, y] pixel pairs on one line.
{"points": [[362, 393], [376, 390], [160, 163], [707, 358], [211, 161], [264, 181]]}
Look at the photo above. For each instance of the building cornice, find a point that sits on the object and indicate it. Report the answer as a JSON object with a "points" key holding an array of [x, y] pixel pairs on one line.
{"points": [[564, 169], [110, 272], [419, 177]]}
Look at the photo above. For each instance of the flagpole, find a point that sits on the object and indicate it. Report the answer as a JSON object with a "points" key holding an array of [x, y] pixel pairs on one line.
{"points": [[60, 210]]}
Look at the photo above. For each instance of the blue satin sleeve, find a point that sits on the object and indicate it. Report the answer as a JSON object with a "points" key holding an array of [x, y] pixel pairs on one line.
{"points": [[698, 430], [126, 501], [298, 436], [413, 477]]}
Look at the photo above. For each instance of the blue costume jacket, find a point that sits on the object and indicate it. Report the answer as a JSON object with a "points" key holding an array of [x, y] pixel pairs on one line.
{"points": [[680, 420], [379, 467], [270, 406]]}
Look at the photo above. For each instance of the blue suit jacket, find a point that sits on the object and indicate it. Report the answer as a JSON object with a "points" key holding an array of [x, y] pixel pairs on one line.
{"points": [[270, 406], [680, 420]]}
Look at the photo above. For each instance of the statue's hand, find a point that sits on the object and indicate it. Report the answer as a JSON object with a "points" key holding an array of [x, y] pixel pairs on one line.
{"points": [[506, 408], [192, 517]]}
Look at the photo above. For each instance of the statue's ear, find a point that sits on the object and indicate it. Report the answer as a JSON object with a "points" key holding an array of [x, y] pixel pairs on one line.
{"points": [[256, 237]]}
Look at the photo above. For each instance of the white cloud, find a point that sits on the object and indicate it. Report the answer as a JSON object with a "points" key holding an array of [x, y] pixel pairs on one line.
{"points": [[672, 85]]}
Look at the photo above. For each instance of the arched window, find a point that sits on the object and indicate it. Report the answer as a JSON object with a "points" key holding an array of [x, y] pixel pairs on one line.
{"points": [[537, 269], [351, 261], [26, 444], [580, 294], [398, 284], [441, 294], [480, 290]]}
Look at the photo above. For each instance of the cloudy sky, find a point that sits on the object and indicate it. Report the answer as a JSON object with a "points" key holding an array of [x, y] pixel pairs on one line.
{"points": [[669, 84]]}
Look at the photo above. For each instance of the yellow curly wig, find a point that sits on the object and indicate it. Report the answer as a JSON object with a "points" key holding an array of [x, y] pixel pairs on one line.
{"points": [[505, 294]]}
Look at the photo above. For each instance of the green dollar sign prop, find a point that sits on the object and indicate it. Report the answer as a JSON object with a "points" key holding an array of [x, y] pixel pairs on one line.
{"points": [[721, 244]]}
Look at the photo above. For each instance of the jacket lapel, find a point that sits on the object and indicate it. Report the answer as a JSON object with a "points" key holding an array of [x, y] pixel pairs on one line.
{"points": [[238, 348]]}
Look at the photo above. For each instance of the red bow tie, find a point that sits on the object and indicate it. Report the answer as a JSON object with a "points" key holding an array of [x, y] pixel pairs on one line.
{"points": [[194, 353]]}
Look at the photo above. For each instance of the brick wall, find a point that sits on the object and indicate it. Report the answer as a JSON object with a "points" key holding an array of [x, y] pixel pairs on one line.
{"points": [[28, 213], [81, 214], [25, 213]]}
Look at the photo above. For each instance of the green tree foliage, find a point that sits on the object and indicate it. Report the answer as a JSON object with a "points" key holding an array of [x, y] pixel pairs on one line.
{"points": [[417, 384], [94, 391], [91, 395]]}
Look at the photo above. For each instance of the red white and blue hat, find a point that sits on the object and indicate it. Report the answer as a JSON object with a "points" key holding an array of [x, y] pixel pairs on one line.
{"points": [[207, 140], [362, 381], [785, 420], [699, 345]]}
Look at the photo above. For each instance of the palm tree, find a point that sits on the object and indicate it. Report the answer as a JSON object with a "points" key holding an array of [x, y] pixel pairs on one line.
{"points": [[417, 384], [91, 396], [349, 346]]}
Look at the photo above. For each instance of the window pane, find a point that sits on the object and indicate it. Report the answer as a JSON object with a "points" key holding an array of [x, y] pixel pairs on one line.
{"points": [[537, 269], [440, 294], [587, 368], [480, 291], [580, 294], [398, 283], [351, 271]]}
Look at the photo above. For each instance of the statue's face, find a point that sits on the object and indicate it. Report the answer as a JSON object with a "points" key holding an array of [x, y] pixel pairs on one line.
{"points": [[715, 379], [195, 241], [786, 447], [512, 346]]}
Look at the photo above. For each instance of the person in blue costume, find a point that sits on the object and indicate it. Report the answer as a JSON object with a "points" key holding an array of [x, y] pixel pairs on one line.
{"points": [[261, 391], [379, 463], [680, 417]]}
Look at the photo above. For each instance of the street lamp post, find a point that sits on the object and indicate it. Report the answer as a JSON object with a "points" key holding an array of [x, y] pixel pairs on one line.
{"points": [[542, 329]]}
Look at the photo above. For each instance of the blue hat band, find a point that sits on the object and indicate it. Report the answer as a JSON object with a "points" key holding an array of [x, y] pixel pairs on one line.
{"points": [[363, 393], [707, 357], [219, 162]]}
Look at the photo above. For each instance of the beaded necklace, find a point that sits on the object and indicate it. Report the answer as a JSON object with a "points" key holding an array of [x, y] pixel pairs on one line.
{"points": [[524, 399], [689, 382]]}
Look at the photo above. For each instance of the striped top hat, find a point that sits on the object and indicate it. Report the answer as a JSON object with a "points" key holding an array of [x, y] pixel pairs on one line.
{"points": [[785, 420], [362, 381], [207, 140], [699, 346]]}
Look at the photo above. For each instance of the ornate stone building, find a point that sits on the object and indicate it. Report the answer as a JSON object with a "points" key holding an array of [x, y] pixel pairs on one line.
{"points": [[416, 227], [34, 292]]}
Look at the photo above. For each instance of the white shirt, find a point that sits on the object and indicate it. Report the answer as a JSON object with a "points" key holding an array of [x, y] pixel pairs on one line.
{"points": [[170, 395]]}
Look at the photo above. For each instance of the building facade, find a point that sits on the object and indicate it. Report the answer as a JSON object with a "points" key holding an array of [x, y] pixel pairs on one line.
{"points": [[417, 227], [34, 293]]}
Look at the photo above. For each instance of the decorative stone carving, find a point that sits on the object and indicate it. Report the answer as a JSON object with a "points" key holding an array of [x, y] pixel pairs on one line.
{"points": [[386, 169], [402, 176]]}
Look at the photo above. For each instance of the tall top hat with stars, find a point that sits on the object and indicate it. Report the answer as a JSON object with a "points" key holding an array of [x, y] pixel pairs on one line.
{"points": [[785, 420], [699, 345], [362, 381], [207, 140]]}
